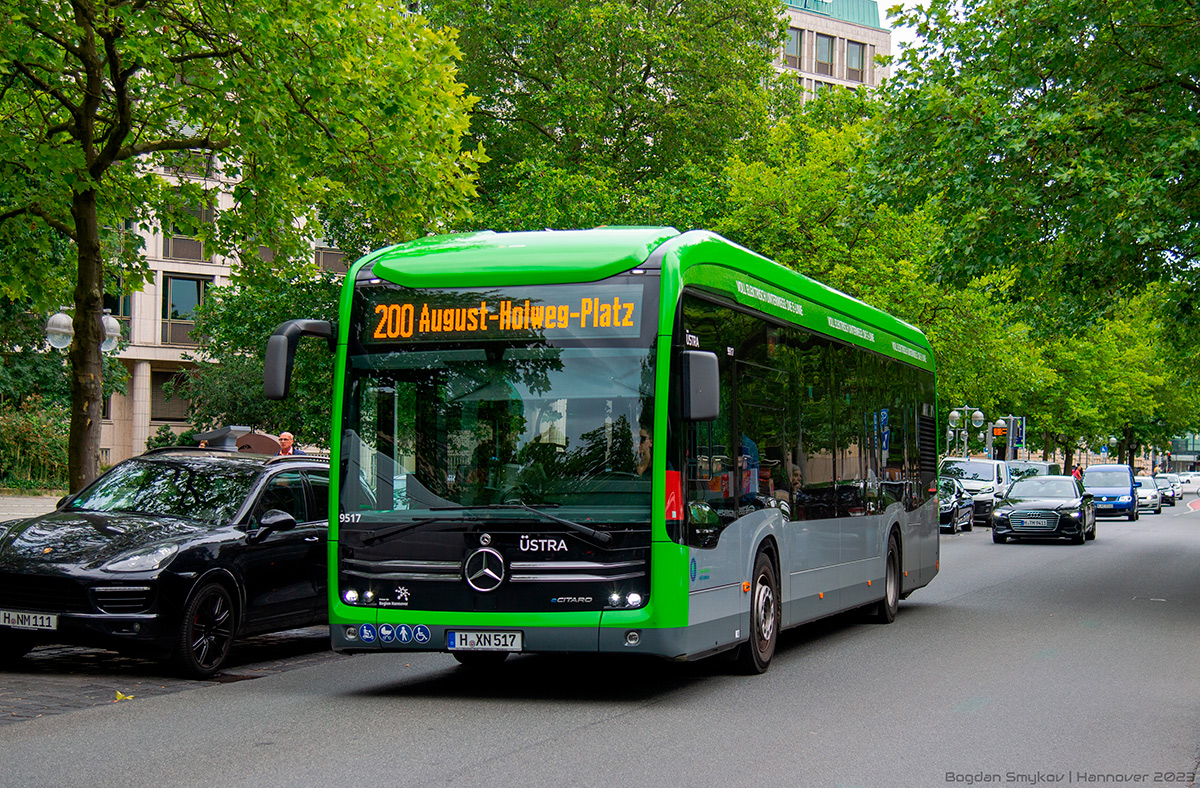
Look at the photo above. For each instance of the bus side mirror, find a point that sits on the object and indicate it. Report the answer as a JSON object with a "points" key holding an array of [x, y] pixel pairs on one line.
{"points": [[701, 385], [281, 352]]}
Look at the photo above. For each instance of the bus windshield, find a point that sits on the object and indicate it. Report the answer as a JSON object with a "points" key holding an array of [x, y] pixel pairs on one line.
{"points": [[552, 419]]}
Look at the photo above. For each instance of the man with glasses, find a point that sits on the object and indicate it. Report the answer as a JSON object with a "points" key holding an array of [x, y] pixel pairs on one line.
{"points": [[287, 445]]}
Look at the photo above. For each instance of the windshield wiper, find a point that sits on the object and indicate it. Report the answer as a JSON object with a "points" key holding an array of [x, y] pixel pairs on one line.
{"points": [[372, 537], [600, 537]]}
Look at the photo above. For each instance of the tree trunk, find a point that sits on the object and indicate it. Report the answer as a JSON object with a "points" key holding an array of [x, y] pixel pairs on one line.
{"points": [[87, 369]]}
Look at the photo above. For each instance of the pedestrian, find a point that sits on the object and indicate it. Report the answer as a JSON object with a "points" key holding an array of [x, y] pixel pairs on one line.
{"points": [[202, 445], [287, 445], [1078, 474]]}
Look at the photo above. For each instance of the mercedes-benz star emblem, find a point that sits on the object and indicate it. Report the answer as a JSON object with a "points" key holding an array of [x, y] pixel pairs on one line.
{"points": [[484, 570]]}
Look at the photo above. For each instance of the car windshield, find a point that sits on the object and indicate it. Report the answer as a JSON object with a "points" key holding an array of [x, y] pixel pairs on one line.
{"points": [[1162, 484], [1146, 482], [1043, 487], [1022, 469], [208, 493], [968, 469], [1105, 479]]}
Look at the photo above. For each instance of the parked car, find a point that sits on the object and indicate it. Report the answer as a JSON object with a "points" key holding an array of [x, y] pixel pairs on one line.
{"points": [[1115, 490], [955, 505], [1045, 507], [985, 480], [1166, 490], [1022, 468], [1148, 495], [172, 554]]}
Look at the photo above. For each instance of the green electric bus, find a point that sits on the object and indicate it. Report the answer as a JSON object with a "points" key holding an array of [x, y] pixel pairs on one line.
{"points": [[624, 439]]}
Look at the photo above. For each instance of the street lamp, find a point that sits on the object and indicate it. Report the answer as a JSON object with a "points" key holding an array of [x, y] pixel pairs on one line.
{"points": [[958, 415], [60, 330]]}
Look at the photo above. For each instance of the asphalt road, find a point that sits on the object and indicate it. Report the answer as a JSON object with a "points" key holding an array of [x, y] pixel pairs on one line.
{"points": [[1022, 664]]}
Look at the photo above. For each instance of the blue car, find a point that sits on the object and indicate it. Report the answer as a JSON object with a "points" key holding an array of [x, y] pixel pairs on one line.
{"points": [[1115, 490]]}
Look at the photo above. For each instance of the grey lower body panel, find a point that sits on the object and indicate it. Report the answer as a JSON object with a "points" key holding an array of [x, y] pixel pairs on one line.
{"points": [[670, 642]]}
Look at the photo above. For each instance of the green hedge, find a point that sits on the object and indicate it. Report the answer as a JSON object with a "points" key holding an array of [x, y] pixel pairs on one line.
{"points": [[33, 446]]}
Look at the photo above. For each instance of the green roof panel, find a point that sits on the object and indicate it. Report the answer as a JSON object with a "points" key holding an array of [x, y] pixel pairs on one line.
{"points": [[858, 12]]}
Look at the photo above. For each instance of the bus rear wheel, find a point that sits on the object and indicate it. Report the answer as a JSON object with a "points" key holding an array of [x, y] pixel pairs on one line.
{"points": [[755, 655], [884, 611]]}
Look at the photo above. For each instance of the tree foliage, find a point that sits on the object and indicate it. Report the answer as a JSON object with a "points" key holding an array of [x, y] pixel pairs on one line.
{"points": [[225, 388], [631, 86], [1060, 138], [303, 105]]}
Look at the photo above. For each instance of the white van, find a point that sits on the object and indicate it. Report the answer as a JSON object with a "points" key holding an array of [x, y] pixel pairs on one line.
{"points": [[985, 480]]}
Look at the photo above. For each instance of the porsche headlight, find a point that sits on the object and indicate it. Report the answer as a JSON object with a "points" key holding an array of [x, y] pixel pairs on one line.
{"points": [[143, 560]]}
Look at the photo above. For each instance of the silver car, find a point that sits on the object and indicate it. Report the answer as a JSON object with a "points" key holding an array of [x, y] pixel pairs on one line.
{"points": [[1148, 497]]}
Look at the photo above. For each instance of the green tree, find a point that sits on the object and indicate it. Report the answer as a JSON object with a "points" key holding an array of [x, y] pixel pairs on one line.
{"points": [[631, 86], [226, 385], [303, 105], [804, 201], [1060, 138]]}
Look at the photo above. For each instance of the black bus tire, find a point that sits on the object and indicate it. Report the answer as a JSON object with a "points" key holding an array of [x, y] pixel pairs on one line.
{"points": [[884, 611], [755, 655]]}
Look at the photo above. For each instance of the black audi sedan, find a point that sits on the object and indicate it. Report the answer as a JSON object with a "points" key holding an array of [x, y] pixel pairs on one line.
{"points": [[956, 506], [172, 554], [1045, 507]]}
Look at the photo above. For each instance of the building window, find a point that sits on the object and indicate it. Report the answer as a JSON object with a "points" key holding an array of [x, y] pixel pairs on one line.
{"points": [[856, 69], [195, 163], [791, 48], [179, 246], [120, 307], [824, 54], [162, 407], [181, 296], [333, 260]]}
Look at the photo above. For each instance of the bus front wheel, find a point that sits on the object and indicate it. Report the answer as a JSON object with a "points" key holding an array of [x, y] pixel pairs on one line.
{"points": [[755, 655]]}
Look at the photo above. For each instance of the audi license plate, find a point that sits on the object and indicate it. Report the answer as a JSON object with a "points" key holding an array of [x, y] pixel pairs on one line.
{"points": [[1104, 506], [1033, 522], [483, 641], [17, 620]]}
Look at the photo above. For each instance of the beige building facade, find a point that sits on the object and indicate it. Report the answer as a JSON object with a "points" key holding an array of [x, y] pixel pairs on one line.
{"points": [[834, 43], [157, 323]]}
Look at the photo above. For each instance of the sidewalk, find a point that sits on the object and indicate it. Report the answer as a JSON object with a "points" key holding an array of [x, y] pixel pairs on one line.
{"points": [[17, 506]]}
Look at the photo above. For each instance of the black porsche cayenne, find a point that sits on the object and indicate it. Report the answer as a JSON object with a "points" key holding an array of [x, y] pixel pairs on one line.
{"points": [[172, 554]]}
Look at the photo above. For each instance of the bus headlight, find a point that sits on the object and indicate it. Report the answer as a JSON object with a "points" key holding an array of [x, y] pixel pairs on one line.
{"points": [[634, 599], [351, 596]]}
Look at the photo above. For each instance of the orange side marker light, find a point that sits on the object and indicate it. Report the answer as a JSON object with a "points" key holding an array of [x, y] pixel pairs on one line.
{"points": [[745, 586]]}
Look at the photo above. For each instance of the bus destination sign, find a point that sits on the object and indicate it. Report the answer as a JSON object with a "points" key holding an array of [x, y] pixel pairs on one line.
{"points": [[551, 312]]}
